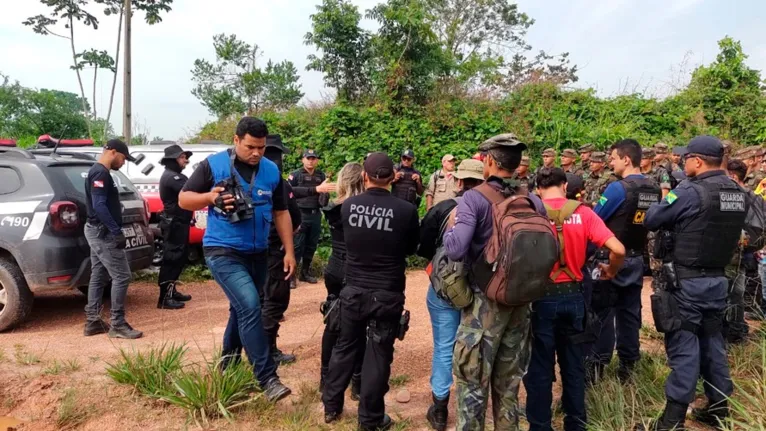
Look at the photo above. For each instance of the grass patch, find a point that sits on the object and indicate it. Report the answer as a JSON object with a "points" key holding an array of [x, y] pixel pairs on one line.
{"points": [[66, 367], [24, 357], [748, 404], [150, 373], [399, 381], [71, 412], [650, 333], [192, 273]]}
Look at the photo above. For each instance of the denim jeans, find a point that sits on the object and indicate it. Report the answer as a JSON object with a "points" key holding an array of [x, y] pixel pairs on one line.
{"points": [[444, 323], [243, 282], [554, 320], [106, 260]]}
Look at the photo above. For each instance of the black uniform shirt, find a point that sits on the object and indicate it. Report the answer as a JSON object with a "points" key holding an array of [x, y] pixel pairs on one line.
{"points": [[171, 184], [101, 190], [380, 232], [431, 228]]}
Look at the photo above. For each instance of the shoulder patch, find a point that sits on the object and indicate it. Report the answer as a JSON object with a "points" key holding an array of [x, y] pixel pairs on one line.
{"points": [[176, 177], [290, 177], [671, 197], [602, 200]]}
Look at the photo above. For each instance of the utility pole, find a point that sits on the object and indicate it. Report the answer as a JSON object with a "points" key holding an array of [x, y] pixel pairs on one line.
{"points": [[127, 115]]}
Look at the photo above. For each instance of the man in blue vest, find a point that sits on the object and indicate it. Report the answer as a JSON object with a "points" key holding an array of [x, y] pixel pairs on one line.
{"points": [[244, 193]]}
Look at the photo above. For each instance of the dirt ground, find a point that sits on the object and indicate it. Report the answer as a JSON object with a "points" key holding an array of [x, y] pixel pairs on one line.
{"points": [[54, 332]]}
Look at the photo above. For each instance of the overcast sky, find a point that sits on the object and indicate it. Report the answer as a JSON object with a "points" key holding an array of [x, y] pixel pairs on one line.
{"points": [[619, 45]]}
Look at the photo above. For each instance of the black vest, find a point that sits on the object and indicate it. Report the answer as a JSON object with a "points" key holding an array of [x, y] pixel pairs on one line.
{"points": [[627, 223], [710, 237], [406, 188], [169, 183], [304, 179]]}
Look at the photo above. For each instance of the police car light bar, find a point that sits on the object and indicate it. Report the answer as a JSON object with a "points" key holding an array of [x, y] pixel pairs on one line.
{"points": [[50, 142], [7, 142]]}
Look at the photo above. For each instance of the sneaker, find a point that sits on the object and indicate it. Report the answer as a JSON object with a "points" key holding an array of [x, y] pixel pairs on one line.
{"points": [[330, 417], [275, 390], [96, 327], [125, 331], [282, 358], [384, 425], [168, 303]]}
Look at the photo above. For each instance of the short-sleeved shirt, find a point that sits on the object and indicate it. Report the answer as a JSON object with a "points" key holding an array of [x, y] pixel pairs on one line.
{"points": [[100, 182], [441, 186], [583, 226]]}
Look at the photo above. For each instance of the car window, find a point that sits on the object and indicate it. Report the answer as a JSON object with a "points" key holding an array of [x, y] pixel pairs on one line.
{"points": [[10, 181]]}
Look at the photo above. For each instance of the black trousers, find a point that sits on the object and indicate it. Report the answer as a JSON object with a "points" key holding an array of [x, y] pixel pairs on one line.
{"points": [[276, 295], [175, 255], [360, 308], [334, 284]]}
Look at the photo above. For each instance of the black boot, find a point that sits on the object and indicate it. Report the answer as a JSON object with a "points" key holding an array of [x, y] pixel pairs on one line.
{"points": [[672, 419], [385, 424], [714, 415], [166, 300], [279, 357], [306, 274], [178, 296], [625, 371], [437, 413], [356, 386]]}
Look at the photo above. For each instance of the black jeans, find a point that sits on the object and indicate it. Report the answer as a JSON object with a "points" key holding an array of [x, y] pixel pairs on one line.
{"points": [[334, 284], [361, 308], [307, 238], [276, 297], [175, 254]]}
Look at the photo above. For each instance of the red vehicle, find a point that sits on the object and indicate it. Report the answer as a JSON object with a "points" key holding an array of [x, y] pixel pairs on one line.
{"points": [[145, 175]]}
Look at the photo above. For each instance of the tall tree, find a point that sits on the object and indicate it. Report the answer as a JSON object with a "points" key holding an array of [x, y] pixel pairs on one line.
{"points": [[344, 46], [235, 84]]}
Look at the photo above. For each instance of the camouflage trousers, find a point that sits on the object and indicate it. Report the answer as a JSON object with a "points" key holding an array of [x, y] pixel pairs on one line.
{"points": [[492, 349], [654, 264]]}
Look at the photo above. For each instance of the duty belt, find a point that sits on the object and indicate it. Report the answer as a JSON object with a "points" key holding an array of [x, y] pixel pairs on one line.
{"points": [[310, 210], [554, 289], [683, 272]]}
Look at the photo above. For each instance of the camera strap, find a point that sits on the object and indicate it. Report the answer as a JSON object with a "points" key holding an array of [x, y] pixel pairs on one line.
{"points": [[256, 168]]}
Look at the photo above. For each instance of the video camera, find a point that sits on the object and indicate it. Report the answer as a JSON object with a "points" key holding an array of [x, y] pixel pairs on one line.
{"points": [[243, 202]]}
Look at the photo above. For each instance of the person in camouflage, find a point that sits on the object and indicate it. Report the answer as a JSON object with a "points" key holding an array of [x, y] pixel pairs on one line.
{"points": [[568, 158], [662, 162], [735, 328], [523, 177], [585, 153], [752, 157], [678, 158], [662, 179], [549, 161], [597, 179]]}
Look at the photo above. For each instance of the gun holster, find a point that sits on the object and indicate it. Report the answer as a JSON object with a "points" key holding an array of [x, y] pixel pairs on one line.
{"points": [[330, 310], [404, 325], [667, 317], [382, 331]]}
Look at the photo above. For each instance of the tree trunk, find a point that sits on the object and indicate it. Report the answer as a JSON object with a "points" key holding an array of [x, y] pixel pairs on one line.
{"points": [[79, 79], [116, 68], [95, 77]]}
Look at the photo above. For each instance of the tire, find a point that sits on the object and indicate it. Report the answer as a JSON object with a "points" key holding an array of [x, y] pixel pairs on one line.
{"points": [[15, 294]]}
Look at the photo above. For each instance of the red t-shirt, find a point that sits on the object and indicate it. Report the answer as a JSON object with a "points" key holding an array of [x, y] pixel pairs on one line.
{"points": [[583, 226]]}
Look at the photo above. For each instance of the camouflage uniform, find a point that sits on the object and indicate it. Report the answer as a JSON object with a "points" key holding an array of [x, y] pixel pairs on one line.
{"points": [[547, 152], [662, 178], [584, 167], [492, 352], [596, 182], [572, 169], [524, 182]]}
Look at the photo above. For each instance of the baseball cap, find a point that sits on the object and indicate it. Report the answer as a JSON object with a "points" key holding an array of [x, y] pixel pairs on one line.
{"points": [[470, 168], [310, 153], [598, 157], [120, 147], [647, 153], [409, 154], [705, 145], [679, 151], [549, 152], [661, 148], [379, 166], [505, 140], [569, 153], [447, 157], [587, 148]]}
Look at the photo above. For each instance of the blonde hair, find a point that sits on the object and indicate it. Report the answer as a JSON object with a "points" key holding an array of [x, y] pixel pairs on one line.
{"points": [[350, 182]]}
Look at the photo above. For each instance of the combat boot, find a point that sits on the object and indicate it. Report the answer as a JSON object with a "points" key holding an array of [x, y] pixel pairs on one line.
{"points": [[356, 386], [625, 371], [385, 424], [307, 277], [280, 357], [673, 419], [438, 412], [96, 327], [178, 296], [123, 330], [714, 415], [166, 301]]}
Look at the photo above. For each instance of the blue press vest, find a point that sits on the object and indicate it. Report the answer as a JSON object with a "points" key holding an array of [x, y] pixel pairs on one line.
{"points": [[248, 236]]}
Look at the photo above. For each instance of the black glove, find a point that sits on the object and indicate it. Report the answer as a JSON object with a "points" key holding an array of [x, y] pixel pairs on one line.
{"points": [[120, 240]]}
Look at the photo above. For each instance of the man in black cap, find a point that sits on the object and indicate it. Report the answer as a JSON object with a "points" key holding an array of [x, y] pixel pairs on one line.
{"points": [[174, 224], [408, 184], [706, 214], [103, 231], [277, 292], [308, 183], [372, 301]]}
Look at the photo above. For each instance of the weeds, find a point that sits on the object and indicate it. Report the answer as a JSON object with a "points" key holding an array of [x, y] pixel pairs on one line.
{"points": [[399, 381], [650, 333], [66, 367], [150, 372], [192, 273], [748, 405], [71, 413], [23, 357]]}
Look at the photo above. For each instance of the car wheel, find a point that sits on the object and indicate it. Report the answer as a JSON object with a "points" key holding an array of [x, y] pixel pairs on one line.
{"points": [[15, 297], [158, 251]]}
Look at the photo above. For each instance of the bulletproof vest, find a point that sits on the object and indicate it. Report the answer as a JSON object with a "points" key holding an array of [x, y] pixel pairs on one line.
{"points": [[708, 239], [304, 179], [627, 223], [406, 188], [170, 198], [335, 221]]}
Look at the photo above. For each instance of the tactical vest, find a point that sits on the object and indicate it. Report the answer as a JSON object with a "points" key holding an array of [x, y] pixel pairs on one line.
{"points": [[304, 179], [710, 237], [627, 223], [247, 236], [170, 199], [406, 188]]}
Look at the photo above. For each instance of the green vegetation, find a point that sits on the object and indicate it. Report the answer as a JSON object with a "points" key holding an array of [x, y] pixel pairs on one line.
{"points": [[71, 412], [24, 357], [399, 380], [66, 367]]}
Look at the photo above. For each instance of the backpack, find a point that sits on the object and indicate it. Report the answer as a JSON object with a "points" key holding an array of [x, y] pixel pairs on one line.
{"points": [[449, 278], [516, 264], [558, 217]]}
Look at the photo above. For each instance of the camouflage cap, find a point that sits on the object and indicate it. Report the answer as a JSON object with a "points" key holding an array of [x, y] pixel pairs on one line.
{"points": [[524, 161], [549, 152], [598, 157], [661, 148], [587, 148], [647, 153], [749, 152], [506, 140], [568, 152], [727, 146]]}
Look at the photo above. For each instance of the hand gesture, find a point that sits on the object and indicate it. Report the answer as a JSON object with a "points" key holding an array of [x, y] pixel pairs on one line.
{"points": [[218, 197], [398, 176], [606, 272], [326, 187], [415, 177]]}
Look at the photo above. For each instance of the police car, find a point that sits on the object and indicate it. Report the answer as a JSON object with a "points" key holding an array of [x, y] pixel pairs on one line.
{"points": [[42, 214], [145, 175]]}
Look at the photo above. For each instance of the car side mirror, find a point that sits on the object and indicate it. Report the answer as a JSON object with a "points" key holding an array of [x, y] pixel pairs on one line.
{"points": [[139, 158], [147, 169]]}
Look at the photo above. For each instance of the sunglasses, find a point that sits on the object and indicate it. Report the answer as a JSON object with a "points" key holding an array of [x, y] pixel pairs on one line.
{"points": [[409, 159]]}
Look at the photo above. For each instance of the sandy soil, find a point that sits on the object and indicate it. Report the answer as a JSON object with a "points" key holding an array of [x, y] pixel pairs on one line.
{"points": [[54, 332]]}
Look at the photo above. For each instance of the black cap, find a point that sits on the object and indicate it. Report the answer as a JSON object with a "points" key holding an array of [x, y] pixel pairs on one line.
{"points": [[705, 146], [275, 141], [310, 153], [679, 175], [173, 152], [379, 166], [409, 154], [680, 151], [575, 183], [120, 147]]}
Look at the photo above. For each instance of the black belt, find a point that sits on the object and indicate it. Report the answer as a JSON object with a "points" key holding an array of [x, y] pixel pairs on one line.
{"points": [[603, 253], [683, 272], [310, 210], [554, 289]]}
